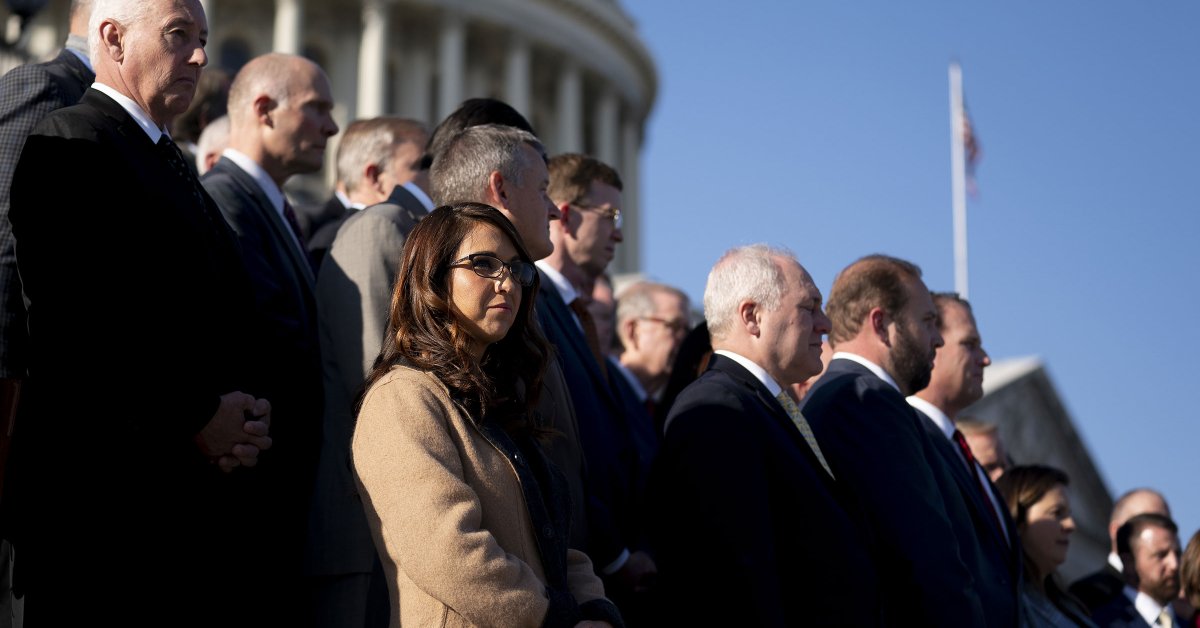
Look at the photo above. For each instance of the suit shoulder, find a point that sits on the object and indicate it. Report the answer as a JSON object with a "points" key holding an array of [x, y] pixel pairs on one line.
{"points": [[712, 401]]}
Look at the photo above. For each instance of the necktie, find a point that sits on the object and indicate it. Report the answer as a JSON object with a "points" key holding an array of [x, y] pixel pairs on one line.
{"points": [[971, 465], [174, 159], [1164, 619], [589, 331], [793, 411], [290, 215]]}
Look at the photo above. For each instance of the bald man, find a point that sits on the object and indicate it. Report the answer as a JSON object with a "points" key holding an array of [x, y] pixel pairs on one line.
{"points": [[1100, 587], [279, 117]]}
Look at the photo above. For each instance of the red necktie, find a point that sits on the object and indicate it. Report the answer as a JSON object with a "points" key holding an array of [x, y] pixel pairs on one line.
{"points": [[589, 332], [971, 466]]}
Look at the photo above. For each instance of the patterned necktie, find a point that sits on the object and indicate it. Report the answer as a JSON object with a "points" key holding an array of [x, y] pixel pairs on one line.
{"points": [[174, 159], [589, 332], [1164, 619], [793, 411], [971, 465]]}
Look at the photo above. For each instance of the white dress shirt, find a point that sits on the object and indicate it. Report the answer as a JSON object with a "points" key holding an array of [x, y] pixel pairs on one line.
{"points": [[153, 131], [1148, 607], [267, 185]]}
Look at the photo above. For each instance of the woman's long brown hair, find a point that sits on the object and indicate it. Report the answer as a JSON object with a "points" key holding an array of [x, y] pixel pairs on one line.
{"points": [[423, 331]]}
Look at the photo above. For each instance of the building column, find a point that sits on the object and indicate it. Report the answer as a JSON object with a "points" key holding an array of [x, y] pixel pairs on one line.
{"points": [[415, 79], [289, 22], [517, 79], [570, 109], [604, 127], [629, 256], [452, 53], [372, 59]]}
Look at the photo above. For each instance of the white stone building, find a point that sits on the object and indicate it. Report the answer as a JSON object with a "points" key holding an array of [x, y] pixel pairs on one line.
{"points": [[575, 68]]}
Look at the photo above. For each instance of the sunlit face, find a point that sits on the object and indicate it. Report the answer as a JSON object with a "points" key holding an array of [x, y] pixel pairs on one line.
{"points": [[302, 123], [528, 206], [656, 338], [594, 233], [161, 58], [791, 333], [484, 307], [1046, 531], [915, 339], [1156, 561], [958, 367]]}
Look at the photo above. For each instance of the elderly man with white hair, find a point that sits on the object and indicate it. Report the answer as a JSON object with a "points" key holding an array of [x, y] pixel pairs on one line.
{"points": [[751, 527], [142, 381]]}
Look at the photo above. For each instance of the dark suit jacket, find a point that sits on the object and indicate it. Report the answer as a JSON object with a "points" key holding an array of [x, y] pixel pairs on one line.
{"points": [[750, 530], [139, 313], [876, 445], [614, 522], [283, 287], [993, 557], [354, 290], [1119, 612], [324, 228], [27, 94], [1099, 588]]}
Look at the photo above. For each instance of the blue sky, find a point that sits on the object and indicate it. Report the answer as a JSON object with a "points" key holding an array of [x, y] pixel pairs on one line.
{"points": [[823, 126]]}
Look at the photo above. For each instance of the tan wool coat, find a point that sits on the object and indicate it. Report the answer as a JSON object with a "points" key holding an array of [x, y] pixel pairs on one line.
{"points": [[448, 514]]}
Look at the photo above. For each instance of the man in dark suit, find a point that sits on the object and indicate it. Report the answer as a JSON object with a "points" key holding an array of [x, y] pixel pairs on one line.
{"points": [[27, 94], [279, 113], [374, 156], [884, 336], [138, 307], [1100, 587], [1149, 548], [615, 429], [987, 541], [751, 527]]}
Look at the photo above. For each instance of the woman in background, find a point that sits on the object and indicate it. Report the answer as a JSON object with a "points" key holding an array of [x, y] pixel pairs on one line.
{"points": [[1037, 500], [469, 517], [1189, 576]]}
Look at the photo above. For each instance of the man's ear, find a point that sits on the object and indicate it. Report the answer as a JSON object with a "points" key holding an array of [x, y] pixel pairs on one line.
{"points": [[497, 189], [626, 331], [879, 321], [565, 216], [371, 176], [112, 35], [264, 105], [747, 316]]}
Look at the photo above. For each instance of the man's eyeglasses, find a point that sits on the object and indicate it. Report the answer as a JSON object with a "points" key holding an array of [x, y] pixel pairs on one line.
{"points": [[492, 267], [611, 213], [677, 325]]}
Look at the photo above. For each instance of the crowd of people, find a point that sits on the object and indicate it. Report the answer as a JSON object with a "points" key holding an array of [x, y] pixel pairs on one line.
{"points": [[426, 402]]}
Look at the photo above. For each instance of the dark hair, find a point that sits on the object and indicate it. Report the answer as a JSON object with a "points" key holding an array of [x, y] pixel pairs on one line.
{"points": [[423, 332], [210, 102], [472, 112], [943, 299], [690, 362], [1132, 528], [1189, 571], [872, 281], [572, 175]]}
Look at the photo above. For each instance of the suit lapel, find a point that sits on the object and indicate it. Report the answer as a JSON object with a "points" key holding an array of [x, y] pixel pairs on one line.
{"points": [[569, 329], [280, 231], [774, 410]]}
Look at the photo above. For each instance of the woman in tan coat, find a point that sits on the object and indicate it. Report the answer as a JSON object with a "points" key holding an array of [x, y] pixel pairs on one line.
{"points": [[470, 518]]}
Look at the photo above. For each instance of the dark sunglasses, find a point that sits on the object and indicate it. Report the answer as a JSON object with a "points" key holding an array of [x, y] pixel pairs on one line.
{"points": [[492, 267]]}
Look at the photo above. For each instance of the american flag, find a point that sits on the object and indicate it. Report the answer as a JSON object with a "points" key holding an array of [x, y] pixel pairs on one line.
{"points": [[972, 151]]}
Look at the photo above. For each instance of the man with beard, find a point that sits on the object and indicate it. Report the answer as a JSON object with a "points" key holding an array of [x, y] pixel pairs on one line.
{"points": [[1149, 549], [884, 336], [987, 539]]}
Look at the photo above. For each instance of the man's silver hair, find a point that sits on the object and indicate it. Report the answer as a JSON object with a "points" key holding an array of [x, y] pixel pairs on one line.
{"points": [[747, 272], [461, 171], [374, 141], [637, 300], [126, 12]]}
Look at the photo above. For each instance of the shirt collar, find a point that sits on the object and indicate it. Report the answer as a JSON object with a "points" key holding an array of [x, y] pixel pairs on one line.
{"points": [[346, 202], [1147, 606], [757, 371], [420, 194], [934, 413], [1115, 561], [564, 287], [260, 176], [135, 111], [871, 366], [634, 383], [77, 46]]}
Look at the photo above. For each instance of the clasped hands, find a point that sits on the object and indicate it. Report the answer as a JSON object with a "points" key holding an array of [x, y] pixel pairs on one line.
{"points": [[237, 432]]}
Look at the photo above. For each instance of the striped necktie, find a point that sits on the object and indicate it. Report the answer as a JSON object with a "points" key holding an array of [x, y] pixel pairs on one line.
{"points": [[793, 411]]}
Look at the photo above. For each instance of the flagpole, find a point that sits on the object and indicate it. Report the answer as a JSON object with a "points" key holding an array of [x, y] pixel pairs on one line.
{"points": [[958, 179]]}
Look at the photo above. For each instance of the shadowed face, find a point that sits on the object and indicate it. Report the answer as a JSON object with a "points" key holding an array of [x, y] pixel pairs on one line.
{"points": [[1046, 532], [958, 367], [915, 339], [485, 307], [1156, 562], [302, 123], [793, 330]]}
